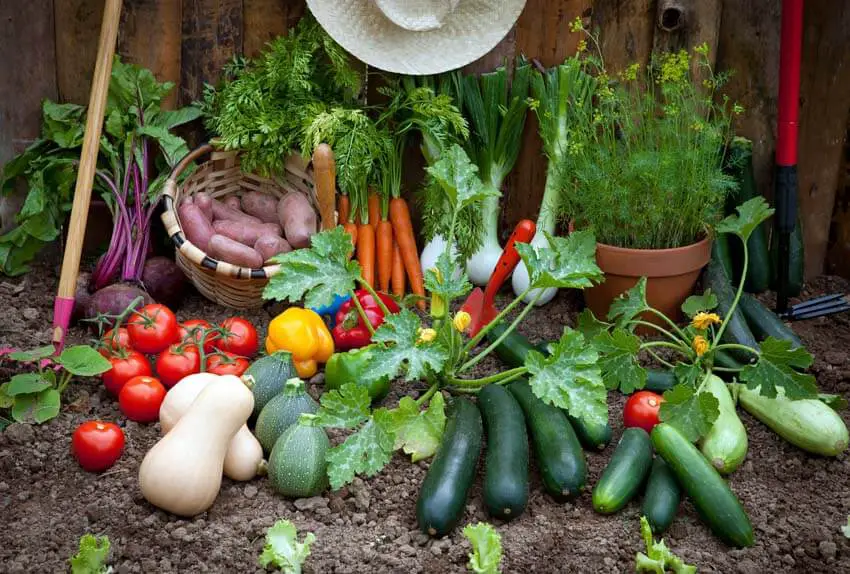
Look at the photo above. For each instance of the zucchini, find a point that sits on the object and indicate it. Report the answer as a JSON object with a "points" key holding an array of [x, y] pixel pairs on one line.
{"points": [[725, 445], [714, 500], [446, 485], [796, 258], [764, 323], [591, 436], [659, 381], [662, 497], [625, 474], [808, 424], [506, 461], [297, 465], [722, 250], [560, 458], [737, 330]]}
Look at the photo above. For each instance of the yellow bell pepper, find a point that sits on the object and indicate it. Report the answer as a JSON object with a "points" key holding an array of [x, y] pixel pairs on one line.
{"points": [[303, 333]]}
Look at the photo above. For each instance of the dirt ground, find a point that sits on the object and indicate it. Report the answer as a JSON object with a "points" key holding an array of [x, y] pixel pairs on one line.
{"points": [[796, 502]]}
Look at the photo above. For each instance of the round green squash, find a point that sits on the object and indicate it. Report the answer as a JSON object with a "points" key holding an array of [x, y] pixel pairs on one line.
{"points": [[270, 373], [283, 411], [297, 466]]}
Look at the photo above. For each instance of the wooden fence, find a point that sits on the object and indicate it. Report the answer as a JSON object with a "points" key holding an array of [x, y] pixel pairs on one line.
{"points": [[48, 49]]}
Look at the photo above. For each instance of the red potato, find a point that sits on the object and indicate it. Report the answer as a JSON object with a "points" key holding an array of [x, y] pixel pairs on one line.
{"points": [[232, 201], [270, 245], [225, 249], [196, 227], [222, 211], [298, 219], [261, 205], [246, 234], [204, 203]]}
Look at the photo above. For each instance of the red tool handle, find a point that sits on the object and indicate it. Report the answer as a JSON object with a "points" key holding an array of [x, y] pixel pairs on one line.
{"points": [[523, 233]]}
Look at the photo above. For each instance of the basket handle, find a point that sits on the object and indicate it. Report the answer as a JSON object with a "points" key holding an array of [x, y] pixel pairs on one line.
{"points": [[199, 151]]}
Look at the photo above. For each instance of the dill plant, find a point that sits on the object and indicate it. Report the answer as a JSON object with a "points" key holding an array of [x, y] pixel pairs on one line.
{"points": [[644, 162]]}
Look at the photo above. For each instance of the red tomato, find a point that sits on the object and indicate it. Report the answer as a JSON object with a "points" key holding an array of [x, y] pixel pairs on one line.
{"points": [[97, 445], [176, 362], [641, 410], [112, 342], [125, 366], [140, 399], [239, 337], [224, 363], [191, 330], [153, 328]]}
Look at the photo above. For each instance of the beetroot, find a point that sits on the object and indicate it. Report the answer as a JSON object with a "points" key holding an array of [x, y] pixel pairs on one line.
{"points": [[114, 299], [165, 281]]}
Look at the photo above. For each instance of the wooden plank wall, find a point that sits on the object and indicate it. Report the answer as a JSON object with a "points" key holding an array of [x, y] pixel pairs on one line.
{"points": [[188, 41]]}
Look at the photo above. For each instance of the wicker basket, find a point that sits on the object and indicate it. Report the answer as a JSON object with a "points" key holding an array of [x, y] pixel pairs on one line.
{"points": [[224, 283]]}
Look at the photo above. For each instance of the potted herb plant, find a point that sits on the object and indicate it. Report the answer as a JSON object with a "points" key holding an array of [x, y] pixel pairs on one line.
{"points": [[644, 171]]}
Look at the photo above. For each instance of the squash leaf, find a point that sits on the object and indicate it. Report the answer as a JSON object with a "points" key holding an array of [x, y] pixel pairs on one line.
{"points": [[629, 305], [399, 349], [282, 549], [618, 360], [417, 432], [566, 263], [750, 215], [365, 452], [486, 548], [83, 361], [690, 412], [776, 368], [696, 303], [344, 408]]}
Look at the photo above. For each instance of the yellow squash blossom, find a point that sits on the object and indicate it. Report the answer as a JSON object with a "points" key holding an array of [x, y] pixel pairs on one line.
{"points": [[702, 320], [462, 320], [427, 335], [700, 345]]}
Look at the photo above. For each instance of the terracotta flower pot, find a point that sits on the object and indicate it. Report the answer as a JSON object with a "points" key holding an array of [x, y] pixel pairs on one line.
{"points": [[671, 275]]}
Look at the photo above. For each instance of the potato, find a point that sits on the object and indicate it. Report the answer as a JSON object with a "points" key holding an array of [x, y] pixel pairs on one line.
{"points": [[225, 249], [298, 219], [204, 202], [245, 234], [232, 201], [270, 245], [196, 227], [222, 211], [261, 205]]}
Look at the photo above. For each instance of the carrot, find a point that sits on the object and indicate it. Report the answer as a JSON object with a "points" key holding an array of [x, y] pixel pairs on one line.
{"points": [[366, 252], [344, 208], [397, 272], [384, 243], [351, 229], [400, 218], [374, 210]]}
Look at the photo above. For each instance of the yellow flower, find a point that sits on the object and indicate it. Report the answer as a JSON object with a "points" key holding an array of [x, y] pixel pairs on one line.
{"points": [[582, 46], [462, 320], [700, 345], [427, 335], [702, 320]]}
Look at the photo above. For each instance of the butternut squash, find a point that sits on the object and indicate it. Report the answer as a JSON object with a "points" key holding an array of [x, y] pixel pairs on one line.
{"points": [[181, 474], [244, 459]]}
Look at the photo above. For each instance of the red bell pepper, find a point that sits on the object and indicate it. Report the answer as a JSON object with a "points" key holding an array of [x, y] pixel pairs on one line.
{"points": [[350, 331]]}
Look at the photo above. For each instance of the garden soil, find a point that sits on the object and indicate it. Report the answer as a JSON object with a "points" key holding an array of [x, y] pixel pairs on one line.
{"points": [[797, 502]]}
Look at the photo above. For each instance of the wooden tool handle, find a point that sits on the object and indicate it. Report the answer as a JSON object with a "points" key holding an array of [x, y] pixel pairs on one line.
{"points": [[324, 174]]}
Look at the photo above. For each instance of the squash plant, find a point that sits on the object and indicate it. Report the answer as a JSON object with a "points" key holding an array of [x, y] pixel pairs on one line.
{"points": [[434, 349]]}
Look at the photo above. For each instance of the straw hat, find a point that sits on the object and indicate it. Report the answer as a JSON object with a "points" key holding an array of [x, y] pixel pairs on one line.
{"points": [[417, 37]]}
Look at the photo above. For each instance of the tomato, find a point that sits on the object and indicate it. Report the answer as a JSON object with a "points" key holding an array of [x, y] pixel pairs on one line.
{"points": [[176, 362], [112, 342], [125, 365], [224, 363], [191, 331], [153, 328], [140, 399], [239, 337], [97, 445], [641, 410]]}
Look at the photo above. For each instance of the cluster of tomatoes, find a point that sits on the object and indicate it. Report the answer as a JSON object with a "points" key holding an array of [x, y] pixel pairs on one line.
{"points": [[177, 350]]}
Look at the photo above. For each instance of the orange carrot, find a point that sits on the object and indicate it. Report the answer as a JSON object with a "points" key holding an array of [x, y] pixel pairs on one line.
{"points": [[374, 210], [400, 218], [384, 243], [366, 252], [344, 208], [351, 229], [397, 272]]}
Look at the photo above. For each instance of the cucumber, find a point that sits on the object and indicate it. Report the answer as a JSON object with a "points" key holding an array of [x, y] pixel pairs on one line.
{"points": [[662, 497], [270, 373], [559, 455], [796, 258], [297, 466], [659, 381], [808, 424], [506, 461], [625, 474], [591, 436], [282, 412], [725, 445], [737, 330], [764, 323], [714, 500], [446, 485]]}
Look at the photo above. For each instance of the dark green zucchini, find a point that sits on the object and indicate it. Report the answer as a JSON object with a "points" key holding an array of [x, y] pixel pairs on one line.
{"points": [[737, 330], [559, 455], [626, 472], [714, 500], [446, 485], [796, 258], [591, 436], [722, 250], [662, 497], [659, 381], [764, 323], [506, 460]]}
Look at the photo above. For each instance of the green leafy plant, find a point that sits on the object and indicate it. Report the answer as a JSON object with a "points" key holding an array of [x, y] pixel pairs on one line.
{"points": [[658, 558], [282, 549], [486, 552], [643, 167], [434, 349], [92, 556], [35, 397]]}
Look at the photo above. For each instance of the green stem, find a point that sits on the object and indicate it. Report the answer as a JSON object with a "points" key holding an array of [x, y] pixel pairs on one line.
{"points": [[374, 295], [477, 358], [63, 382], [734, 306], [362, 313], [666, 344], [427, 396], [496, 320], [726, 369], [658, 328], [497, 378], [669, 321], [737, 346]]}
